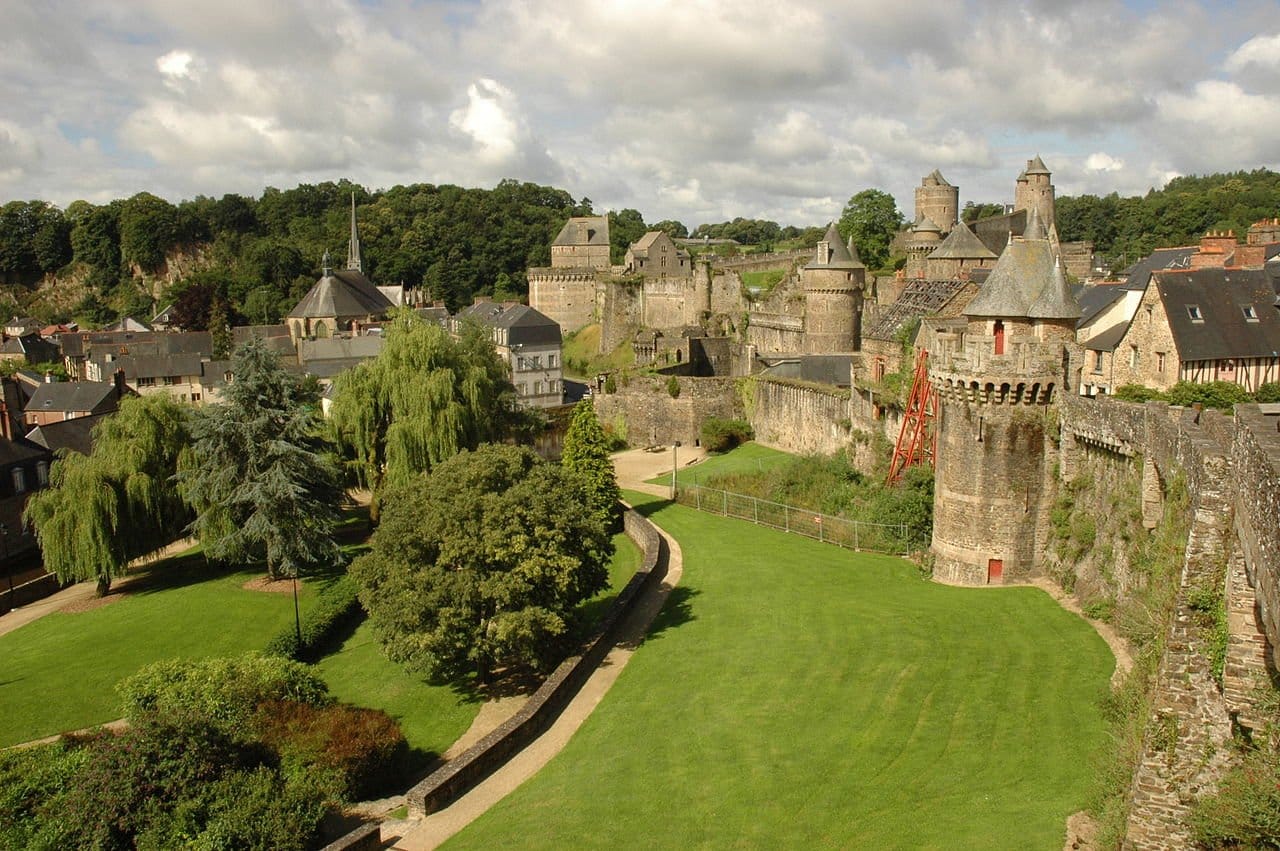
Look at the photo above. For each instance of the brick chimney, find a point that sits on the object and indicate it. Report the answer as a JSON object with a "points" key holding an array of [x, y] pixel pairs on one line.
{"points": [[1263, 232], [1250, 256], [1215, 249], [6, 427], [118, 378]]}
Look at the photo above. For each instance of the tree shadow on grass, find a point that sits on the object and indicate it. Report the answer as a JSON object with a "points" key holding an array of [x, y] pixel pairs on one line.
{"points": [[676, 611]]}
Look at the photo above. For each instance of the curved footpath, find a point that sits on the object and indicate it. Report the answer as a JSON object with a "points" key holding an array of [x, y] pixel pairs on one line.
{"points": [[632, 468]]}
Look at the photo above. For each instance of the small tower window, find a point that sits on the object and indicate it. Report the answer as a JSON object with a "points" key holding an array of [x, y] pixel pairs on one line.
{"points": [[999, 334]]}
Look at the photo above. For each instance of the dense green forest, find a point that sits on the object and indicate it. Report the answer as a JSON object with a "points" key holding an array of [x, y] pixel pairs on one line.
{"points": [[1127, 229], [258, 256]]}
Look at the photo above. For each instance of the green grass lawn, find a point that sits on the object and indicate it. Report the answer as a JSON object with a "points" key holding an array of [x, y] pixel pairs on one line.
{"points": [[748, 457], [59, 672], [764, 281], [434, 716], [795, 695]]}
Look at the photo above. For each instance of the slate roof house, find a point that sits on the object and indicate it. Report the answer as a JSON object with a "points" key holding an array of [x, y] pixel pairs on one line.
{"points": [[65, 400], [654, 255], [1198, 325], [528, 341]]}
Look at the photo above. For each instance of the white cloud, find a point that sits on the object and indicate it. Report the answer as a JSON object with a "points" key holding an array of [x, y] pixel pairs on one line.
{"points": [[488, 118], [1100, 161], [1261, 50], [175, 63]]}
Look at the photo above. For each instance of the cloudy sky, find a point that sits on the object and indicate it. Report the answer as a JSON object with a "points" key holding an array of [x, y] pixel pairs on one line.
{"points": [[698, 110]]}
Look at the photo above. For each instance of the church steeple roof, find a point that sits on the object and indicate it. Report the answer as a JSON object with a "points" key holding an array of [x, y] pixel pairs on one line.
{"points": [[353, 245]]}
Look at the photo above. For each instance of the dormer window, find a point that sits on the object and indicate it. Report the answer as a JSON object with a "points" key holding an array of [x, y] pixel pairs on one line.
{"points": [[1250, 315], [1193, 311]]}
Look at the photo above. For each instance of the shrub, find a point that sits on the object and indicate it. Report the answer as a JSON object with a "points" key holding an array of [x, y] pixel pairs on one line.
{"points": [[1245, 811], [673, 387], [222, 692], [1136, 393], [1269, 392], [610, 386], [358, 750], [722, 435], [337, 606], [1216, 394], [28, 778], [138, 776]]}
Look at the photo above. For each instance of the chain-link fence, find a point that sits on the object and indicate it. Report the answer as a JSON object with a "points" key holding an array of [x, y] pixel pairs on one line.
{"points": [[860, 535]]}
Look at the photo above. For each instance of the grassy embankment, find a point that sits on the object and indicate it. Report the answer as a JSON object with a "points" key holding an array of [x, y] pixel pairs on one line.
{"points": [[796, 695]]}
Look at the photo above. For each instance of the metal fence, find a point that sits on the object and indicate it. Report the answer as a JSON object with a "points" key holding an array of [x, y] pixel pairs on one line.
{"points": [[852, 534]]}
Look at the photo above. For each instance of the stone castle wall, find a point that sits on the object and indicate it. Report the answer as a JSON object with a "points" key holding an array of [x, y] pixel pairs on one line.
{"points": [[762, 262], [566, 295], [648, 415], [799, 418]]}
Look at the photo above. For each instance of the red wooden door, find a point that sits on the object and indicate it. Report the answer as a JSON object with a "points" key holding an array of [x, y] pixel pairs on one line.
{"points": [[999, 337], [995, 570]]}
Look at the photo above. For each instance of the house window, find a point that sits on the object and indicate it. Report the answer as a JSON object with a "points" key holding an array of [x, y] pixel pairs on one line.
{"points": [[535, 362], [1133, 357], [148, 381], [521, 389], [1097, 361], [1193, 311], [537, 388], [42, 473], [551, 361], [195, 397], [170, 380], [1250, 314], [1160, 362], [19, 480]]}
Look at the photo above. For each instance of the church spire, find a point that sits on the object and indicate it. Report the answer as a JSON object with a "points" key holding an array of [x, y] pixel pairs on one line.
{"points": [[353, 247]]}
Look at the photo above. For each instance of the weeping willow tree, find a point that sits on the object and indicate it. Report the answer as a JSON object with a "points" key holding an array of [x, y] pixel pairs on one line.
{"points": [[423, 399], [118, 503]]}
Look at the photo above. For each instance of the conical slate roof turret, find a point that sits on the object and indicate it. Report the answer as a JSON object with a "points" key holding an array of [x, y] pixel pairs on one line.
{"points": [[1024, 270], [935, 178], [1036, 166], [962, 244], [1055, 300], [853, 250], [833, 254], [1035, 227], [927, 225]]}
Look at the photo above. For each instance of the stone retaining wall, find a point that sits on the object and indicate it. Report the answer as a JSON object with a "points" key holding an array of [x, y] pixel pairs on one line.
{"points": [[799, 418], [29, 592], [650, 416]]}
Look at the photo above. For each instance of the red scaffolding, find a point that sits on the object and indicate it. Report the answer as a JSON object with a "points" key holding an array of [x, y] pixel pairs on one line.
{"points": [[917, 441]]}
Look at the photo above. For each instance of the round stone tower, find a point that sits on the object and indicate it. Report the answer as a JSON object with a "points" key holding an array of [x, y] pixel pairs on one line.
{"points": [[833, 284], [938, 200], [925, 237], [1034, 191], [998, 375]]}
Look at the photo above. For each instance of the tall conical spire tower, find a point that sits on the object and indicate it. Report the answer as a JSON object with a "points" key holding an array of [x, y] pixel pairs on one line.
{"points": [[353, 246]]}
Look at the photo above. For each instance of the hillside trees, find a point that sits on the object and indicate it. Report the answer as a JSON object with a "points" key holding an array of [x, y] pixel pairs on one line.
{"points": [[105, 509], [256, 476], [479, 564], [625, 227], [871, 217], [586, 457], [422, 400]]}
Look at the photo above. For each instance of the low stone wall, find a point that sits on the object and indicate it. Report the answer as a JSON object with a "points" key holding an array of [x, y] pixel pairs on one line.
{"points": [[537, 715], [799, 418], [29, 592], [366, 837]]}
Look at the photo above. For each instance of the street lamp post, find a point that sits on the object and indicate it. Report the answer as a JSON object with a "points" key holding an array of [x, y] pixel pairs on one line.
{"points": [[8, 567], [674, 466]]}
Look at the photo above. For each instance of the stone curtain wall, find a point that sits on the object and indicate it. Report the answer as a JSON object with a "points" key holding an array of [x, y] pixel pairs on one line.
{"points": [[762, 262], [799, 418], [649, 415], [1230, 467], [566, 295]]}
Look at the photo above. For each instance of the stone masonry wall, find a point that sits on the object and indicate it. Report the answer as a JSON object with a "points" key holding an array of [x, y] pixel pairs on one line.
{"points": [[649, 416], [798, 418], [1230, 467]]}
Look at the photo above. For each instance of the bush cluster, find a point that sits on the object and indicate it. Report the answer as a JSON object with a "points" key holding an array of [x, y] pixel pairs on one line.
{"points": [[352, 751], [249, 752], [337, 607], [722, 435], [223, 692], [1221, 395]]}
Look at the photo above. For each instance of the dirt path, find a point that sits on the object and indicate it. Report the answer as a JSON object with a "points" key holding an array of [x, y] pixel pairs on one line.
{"points": [[433, 830]]}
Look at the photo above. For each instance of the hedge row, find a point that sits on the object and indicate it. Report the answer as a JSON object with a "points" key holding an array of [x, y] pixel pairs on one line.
{"points": [[337, 607]]}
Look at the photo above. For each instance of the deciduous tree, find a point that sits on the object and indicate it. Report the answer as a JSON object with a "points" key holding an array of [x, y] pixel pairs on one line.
{"points": [[871, 217], [118, 503], [479, 564]]}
